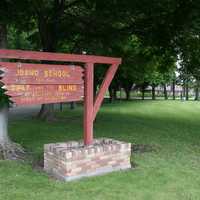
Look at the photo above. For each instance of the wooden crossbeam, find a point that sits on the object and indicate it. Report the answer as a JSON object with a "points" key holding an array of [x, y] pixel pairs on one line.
{"points": [[37, 55]]}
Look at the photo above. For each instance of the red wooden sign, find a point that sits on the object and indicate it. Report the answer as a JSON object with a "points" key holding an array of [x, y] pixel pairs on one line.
{"points": [[43, 90], [42, 83], [23, 73], [67, 75], [39, 94]]}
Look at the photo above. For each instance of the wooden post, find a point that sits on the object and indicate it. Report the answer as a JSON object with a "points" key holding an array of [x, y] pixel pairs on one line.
{"points": [[88, 103]]}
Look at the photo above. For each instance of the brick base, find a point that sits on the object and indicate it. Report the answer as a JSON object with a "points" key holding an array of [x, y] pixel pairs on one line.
{"points": [[73, 160]]}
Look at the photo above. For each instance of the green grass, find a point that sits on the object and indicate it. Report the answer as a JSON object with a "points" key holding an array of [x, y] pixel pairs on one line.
{"points": [[172, 173]]}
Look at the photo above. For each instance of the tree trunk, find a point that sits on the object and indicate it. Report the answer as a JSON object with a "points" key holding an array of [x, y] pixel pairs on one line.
{"points": [[120, 93], [173, 90], [49, 43], [61, 106], [153, 92], [183, 93], [187, 91], [4, 138], [197, 91], [46, 112], [110, 90], [8, 149], [165, 92], [115, 94], [127, 91], [127, 88], [3, 36], [72, 105], [143, 91], [196, 94]]}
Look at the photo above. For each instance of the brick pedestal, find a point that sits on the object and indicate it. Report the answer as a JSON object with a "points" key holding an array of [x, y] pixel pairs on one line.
{"points": [[73, 160]]}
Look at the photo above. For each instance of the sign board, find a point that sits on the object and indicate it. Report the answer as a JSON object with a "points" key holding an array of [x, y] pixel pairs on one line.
{"points": [[23, 73], [40, 83], [38, 94]]}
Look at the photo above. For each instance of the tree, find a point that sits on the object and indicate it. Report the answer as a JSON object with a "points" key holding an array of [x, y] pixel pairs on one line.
{"points": [[136, 58], [60, 21], [8, 149], [190, 61]]}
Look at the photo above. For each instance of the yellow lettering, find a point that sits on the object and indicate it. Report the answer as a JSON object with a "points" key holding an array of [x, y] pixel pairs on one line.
{"points": [[46, 73], [27, 72], [67, 88]]}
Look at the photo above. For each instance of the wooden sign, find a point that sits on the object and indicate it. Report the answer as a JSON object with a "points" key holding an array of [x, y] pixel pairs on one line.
{"points": [[23, 73], [42, 94], [43, 90], [38, 94], [41, 83]]}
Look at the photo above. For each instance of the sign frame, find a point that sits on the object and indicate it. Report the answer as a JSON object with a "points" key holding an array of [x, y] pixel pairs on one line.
{"points": [[91, 104]]}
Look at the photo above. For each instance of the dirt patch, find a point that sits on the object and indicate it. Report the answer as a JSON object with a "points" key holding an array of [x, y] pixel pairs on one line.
{"points": [[38, 164], [144, 148]]}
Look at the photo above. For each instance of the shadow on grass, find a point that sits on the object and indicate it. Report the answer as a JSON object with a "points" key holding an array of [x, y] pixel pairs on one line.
{"points": [[135, 127]]}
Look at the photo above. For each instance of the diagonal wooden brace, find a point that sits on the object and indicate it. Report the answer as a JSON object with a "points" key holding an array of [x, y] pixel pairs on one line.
{"points": [[104, 87], [91, 107]]}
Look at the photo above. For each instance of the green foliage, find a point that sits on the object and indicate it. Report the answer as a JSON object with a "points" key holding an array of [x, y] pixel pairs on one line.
{"points": [[18, 39], [148, 35], [190, 51], [4, 100], [135, 60]]}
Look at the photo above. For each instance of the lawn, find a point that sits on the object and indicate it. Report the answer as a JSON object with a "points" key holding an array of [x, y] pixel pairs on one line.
{"points": [[172, 172]]}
